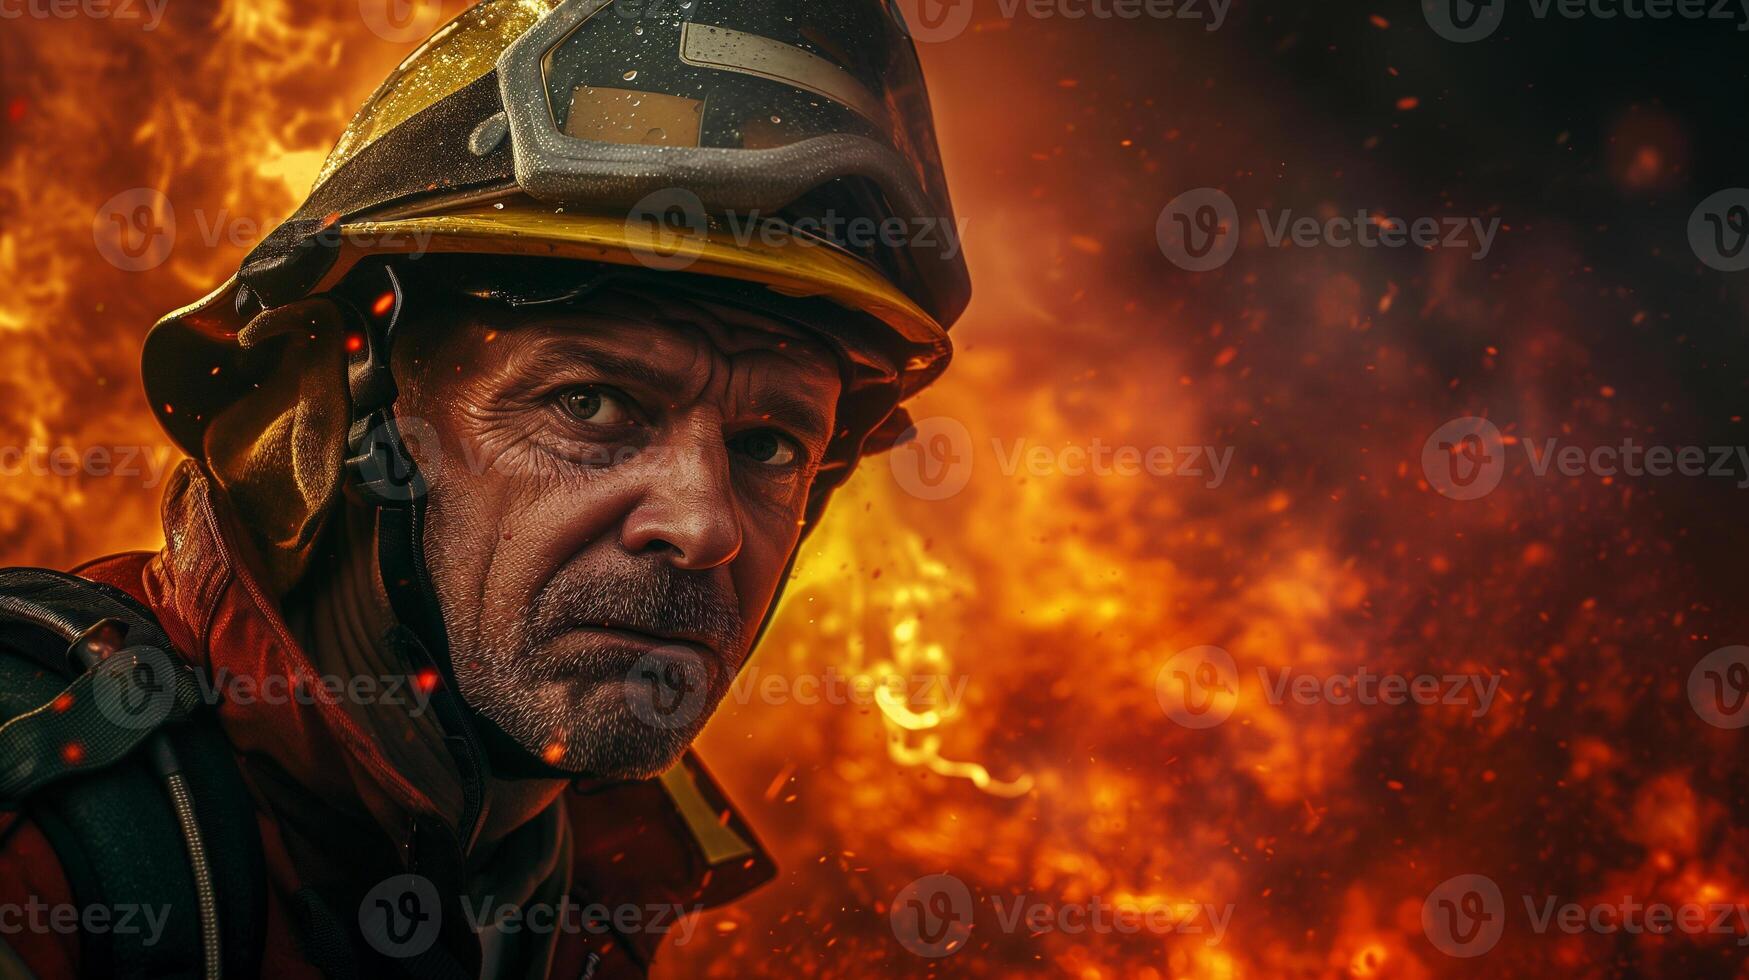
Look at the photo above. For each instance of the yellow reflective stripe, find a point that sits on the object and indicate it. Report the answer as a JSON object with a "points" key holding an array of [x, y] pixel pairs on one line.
{"points": [[717, 840]]}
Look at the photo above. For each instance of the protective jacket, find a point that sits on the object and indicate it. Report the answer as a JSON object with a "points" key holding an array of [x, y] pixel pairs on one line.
{"points": [[336, 820]]}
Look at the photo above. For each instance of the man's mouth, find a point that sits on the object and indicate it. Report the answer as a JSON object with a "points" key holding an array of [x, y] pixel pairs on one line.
{"points": [[650, 638]]}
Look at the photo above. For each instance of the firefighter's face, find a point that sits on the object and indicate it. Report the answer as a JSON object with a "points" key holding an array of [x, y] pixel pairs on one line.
{"points": [[616, 497]]}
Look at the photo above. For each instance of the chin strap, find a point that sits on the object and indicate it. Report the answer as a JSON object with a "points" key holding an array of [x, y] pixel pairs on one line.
{"points": [[383, 473]]}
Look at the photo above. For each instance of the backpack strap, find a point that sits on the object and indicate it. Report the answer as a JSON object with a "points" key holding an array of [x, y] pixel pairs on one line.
{"points": [[105, 747]]}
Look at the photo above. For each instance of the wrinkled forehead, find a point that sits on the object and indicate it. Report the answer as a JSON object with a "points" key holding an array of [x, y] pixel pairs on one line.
{"points": [[675, 340], [680, 320]]}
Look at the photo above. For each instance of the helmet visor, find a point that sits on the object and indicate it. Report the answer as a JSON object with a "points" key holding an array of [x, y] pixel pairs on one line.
{"points": [[774, 110]]}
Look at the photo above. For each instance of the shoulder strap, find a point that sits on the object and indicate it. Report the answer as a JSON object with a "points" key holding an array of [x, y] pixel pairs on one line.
{"points": [[105, 747]]}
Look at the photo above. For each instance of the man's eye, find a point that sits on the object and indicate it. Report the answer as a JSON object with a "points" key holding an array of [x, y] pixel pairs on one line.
{"points": [[766, 447], [596, 406]]}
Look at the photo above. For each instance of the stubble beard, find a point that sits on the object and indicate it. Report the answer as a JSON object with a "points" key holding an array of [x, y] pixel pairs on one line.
{"points": [[579, 702]]}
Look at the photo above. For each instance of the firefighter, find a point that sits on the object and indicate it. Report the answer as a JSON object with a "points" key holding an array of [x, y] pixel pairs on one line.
{"points": [[501, 448]]}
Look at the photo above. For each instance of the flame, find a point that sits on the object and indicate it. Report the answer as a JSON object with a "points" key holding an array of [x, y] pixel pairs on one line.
{"points": [[1055, 599]]}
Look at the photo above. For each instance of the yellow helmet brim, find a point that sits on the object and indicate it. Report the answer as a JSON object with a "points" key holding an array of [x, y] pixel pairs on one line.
{"points": [[790, 266]]}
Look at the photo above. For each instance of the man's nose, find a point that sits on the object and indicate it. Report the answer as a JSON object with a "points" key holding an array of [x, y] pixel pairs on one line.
{"points": [[687, 511]]}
